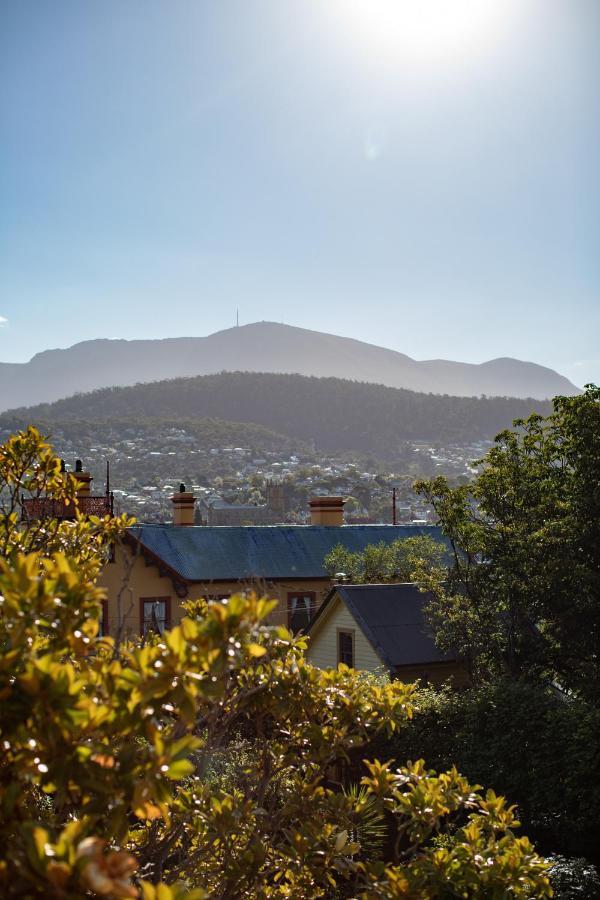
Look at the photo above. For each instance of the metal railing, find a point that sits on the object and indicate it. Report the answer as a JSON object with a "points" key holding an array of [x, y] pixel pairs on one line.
{"points": [[35, 508]]}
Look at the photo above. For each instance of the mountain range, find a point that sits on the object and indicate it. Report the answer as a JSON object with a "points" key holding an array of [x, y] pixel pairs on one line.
{"points": [[264, 347]]}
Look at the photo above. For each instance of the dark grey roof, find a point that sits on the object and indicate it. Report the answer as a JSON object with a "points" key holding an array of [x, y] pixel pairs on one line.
{"points": [[391, 617], [227, 552]]}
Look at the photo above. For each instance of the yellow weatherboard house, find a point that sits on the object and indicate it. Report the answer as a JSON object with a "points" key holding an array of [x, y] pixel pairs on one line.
{"points": [[157, 567]]}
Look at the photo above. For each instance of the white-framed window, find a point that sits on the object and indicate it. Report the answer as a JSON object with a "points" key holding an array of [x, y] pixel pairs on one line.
{"points": [[154, 614], [301, 608]]}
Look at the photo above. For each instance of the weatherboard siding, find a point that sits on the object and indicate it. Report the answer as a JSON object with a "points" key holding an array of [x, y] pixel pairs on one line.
{"points": [[322, 649]]}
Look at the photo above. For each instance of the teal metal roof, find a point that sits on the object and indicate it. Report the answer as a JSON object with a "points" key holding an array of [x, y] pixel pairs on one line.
{"points": [[235, 553]]}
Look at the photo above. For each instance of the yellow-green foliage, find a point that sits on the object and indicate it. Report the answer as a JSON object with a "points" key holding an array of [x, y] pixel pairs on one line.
{"points": [[105, 752]]}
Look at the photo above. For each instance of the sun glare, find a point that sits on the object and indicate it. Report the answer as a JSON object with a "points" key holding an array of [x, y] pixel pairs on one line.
{"points": [[424, 29]]}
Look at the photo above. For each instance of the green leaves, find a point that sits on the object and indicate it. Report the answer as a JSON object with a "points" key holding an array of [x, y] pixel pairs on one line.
{"points": [[171, 892], [480, 858], [523, 593], [399, 561]]}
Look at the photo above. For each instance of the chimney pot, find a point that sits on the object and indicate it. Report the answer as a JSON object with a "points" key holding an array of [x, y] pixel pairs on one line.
{"points": [[84, 480]]}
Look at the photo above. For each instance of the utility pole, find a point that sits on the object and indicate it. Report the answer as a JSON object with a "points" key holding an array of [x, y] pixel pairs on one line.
{"points": [[394, 506]]}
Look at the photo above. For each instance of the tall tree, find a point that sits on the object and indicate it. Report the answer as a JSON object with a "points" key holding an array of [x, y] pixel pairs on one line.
{"points": [[523, 592]]}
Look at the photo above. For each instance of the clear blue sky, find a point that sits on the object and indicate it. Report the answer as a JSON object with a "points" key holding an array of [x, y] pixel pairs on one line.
{"points": [[162, 163]]}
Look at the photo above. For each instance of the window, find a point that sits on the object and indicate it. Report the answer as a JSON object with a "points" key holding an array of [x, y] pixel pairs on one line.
{"points": [[301, 608], [103, 624], [155, 614], [346, 648]]}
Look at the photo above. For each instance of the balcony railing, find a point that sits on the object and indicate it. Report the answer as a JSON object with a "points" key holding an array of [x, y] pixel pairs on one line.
{"points": [[35, 508]]}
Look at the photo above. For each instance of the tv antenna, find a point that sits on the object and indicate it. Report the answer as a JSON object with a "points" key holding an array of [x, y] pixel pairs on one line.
{"points": [[237, 318]]}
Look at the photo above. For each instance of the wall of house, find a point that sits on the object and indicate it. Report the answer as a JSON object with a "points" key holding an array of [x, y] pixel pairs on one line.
{"points": [[323, 644], [129, 578]]}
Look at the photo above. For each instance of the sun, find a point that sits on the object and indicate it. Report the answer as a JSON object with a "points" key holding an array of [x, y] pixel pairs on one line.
{"points": [[423, 29]]}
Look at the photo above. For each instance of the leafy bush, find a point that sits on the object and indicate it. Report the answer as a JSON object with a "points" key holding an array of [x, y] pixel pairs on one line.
{"points": [[526, 740]]}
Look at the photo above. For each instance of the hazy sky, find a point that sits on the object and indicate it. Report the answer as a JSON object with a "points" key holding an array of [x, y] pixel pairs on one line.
{"points": [[430, 185]]}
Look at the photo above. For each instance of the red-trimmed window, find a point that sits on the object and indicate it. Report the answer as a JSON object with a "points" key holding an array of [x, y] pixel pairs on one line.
{"points": [[155, 614], [301, 609], [103, 629]]}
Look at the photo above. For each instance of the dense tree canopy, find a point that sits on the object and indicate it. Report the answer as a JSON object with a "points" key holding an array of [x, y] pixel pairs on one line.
{"points": [[206, 758], [523, 593], [399, 561], [522, 737]]}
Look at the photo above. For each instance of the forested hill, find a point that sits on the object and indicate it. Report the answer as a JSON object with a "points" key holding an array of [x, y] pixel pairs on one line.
{"points": [[335, 414]]}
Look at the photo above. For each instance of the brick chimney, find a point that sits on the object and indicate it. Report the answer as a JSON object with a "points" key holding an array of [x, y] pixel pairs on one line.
{"points": [[183, 507], [84, 480], [326, 510]]}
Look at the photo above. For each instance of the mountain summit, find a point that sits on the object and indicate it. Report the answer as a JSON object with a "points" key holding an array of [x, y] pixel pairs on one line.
{"points": [[263, 347]]}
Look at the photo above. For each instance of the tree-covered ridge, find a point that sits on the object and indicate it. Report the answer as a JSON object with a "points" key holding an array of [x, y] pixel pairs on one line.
{"points": [[333, 413]]}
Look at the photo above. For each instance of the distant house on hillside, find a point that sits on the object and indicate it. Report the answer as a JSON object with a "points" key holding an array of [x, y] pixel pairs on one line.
{"points": [[380, 627], [216, 511]]}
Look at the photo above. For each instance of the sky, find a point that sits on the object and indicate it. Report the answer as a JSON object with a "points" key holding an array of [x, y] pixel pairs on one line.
{"points": [[379, 169]]}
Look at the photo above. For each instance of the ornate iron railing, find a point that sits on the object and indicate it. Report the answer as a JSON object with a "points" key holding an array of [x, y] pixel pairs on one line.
{"points": [[46, 508]]}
